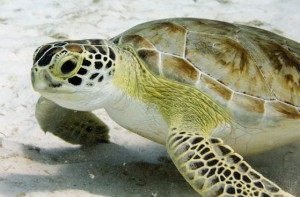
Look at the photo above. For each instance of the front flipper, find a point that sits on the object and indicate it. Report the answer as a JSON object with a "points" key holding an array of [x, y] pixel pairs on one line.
{"points": [[75, 127], [214, 169]]}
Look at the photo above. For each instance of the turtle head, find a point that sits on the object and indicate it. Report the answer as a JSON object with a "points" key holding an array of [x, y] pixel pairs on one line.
{"points": [[75, 74]]}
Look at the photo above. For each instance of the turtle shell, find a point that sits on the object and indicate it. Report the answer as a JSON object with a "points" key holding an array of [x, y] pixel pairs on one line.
{"points": [[235, 64]]}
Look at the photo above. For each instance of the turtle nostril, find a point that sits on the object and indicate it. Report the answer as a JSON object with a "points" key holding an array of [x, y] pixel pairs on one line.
{"points": [[68, 67]]}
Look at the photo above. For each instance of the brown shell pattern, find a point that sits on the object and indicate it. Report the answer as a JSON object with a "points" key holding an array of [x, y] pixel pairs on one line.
{"points": [[251, 67]]}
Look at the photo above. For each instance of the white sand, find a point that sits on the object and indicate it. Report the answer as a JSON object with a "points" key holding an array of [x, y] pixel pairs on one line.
{"points": [[36, 164]]}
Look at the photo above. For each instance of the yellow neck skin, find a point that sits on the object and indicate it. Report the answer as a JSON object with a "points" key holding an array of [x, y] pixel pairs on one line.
{"points": [[181, 105]]}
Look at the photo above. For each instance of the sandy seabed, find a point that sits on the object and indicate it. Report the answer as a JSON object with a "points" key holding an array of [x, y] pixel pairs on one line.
{"points": [[36, 164]]}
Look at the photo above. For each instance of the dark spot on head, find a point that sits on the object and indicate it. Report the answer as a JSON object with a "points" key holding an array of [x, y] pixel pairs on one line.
{"points": [[196, 157], [98, 57], [46, 59], [109, 64], [105, 59], [112, 55], [90, 49], [82, 71], [74, 48], [101, 50], [68, 66], [86, 62], [100, 78], [93, 76], [91, 56], [98, 65], [75, 80], [41, 51]]}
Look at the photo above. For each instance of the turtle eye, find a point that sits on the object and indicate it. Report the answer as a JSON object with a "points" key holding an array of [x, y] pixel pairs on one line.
{"points": [[68, 66]]}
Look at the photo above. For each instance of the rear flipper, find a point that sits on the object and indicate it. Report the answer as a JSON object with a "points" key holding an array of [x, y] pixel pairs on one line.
{"points": [[214, 169], [75, 127]]}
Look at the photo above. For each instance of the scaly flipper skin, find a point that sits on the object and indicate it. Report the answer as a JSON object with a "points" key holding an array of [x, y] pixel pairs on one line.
{"points": [[214, 169], [75, 127]]}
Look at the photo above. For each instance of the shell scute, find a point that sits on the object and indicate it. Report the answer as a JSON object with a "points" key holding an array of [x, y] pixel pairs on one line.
{"points": [[219, 89], [179, 69], [137, 41], [166, 36], [210, 27], [281, 69], [151, 58], [226, 60], [249, 103], [283, 109]]}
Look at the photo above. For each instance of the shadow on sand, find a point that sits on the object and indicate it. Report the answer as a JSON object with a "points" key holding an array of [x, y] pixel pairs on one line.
{"points": [[112, 170]]}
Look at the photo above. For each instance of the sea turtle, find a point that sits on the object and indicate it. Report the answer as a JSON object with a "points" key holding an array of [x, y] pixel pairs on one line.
{"points": [[209, 91]]}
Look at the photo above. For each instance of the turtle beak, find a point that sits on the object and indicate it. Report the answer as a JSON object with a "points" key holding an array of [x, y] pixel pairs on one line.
{"points": [[41, 80], [37, 77]]}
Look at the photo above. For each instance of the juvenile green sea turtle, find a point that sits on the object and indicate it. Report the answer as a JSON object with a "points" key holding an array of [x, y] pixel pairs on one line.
{"points": [[209, 91]]}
